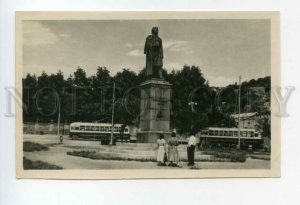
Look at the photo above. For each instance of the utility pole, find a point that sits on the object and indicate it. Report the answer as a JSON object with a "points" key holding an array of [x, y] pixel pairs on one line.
{"points": [[58, 120], [239, 117], [112, 117]]}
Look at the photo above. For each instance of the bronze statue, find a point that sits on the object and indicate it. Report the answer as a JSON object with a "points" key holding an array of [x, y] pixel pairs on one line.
{"points": [[154, 55]]}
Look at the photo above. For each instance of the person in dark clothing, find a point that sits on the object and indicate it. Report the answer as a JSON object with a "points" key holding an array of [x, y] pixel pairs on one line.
{"points": [[192, 142]]}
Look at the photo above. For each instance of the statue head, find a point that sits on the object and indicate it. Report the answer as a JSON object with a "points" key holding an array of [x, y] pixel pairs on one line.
{"points": [[154, 30]]}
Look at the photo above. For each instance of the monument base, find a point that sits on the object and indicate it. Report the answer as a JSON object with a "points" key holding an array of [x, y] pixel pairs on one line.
{"points": [[155, 111], [151, 136]]}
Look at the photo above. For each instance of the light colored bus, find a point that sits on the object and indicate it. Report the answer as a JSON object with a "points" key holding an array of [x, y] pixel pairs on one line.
{"points": [[229, 136], [101, 131]]}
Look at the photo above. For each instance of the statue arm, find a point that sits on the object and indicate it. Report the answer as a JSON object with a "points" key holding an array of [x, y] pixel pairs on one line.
{"points": [[161, 49], [146, 48]]}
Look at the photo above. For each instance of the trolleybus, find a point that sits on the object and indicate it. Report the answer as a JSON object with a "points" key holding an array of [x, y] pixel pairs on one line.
{"points": [[216, 136], [101, 131]]}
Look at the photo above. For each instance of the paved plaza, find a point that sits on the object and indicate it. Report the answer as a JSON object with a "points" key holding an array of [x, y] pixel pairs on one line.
{"points": [[57, 155]]}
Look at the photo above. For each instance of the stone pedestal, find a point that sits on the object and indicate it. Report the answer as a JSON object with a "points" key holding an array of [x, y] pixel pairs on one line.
{"points": [[155, 110]]}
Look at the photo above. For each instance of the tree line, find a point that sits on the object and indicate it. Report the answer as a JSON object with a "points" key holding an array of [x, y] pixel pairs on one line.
{"points": [[194, 103]]}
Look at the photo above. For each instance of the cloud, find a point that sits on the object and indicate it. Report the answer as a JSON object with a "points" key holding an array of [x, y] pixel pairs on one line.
{"points": [[176, 45], [128, 45], [135, 52], [170, 65], [35, 33], [221, 81], [65, 35]]}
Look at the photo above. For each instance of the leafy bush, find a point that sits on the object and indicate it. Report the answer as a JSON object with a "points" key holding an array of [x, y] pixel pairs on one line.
{"points": [[99, 156], [238, 156], [29, 164], [234, 156], [31, 147], [86, 154], [267, 157]]}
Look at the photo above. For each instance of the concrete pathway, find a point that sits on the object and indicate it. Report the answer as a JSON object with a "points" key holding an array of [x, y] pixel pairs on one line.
{"points": [[57, 156]]}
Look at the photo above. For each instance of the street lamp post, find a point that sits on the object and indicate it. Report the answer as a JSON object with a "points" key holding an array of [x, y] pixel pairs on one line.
{"points": [[192, 104], [239, 118]]}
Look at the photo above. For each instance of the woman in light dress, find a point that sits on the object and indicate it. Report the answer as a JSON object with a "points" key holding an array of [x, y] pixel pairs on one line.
{"points": [[173, 156], [161, 150]]}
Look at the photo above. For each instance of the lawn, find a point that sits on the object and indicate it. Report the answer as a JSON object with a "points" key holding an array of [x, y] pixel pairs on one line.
{"points": [[32, 146], [29, 164]]}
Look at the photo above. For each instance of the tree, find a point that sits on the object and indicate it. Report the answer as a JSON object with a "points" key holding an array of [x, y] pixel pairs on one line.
{"points": [[57, 81], [186, 118], [80, 78], [127, 97], [29, 88], [30, 81], [43, 80], [193, 104]]}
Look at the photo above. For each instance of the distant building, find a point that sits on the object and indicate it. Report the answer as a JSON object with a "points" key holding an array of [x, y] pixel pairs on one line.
{"points": [[248, 120]]}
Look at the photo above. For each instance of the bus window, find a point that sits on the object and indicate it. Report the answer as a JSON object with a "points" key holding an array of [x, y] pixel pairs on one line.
{"points": [[225, 133], [72, 128], [221, 133], [256, 135], [106, 129], [101, 128], [216, 133], [252, 134], [244, 134], [82, 128], [109, 129], [126, 130], [235, 133], [93, 128], [76, 128], [211, 132], [87, 128], [97, 128], [230, 133]]}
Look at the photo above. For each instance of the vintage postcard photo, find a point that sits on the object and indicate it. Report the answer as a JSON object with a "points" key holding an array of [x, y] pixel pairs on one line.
{"points": [[130, 95]]}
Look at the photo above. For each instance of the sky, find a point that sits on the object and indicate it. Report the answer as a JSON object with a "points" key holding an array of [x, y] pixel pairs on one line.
{"points": [[222, 49]]}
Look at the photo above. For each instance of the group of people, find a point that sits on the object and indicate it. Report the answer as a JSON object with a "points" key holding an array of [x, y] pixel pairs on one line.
{"points": [[167, 151]]}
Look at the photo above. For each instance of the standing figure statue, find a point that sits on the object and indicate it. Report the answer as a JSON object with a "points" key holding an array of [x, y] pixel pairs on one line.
{"points": [[154, 55]]}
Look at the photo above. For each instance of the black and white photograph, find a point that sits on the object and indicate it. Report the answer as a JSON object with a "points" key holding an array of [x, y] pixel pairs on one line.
{"points": [[114, 95]]}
